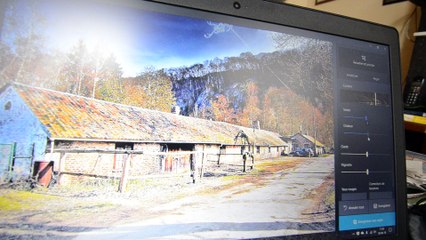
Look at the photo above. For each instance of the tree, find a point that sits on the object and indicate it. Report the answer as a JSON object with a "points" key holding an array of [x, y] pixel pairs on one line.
{"points": [[77, 70], [24, 56], [287, 113], [109, 82], [281, 110], [6, 70], [269, 116], [135, 96], [154, 90], [222, 110], [251, 110], [309, 62]]}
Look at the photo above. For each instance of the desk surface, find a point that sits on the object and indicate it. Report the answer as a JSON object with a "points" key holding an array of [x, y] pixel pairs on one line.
{"points": [[416, 174], [415, 123]]}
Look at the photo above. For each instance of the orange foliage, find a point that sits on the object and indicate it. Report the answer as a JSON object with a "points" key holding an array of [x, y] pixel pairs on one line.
{"points": [[251, 111], [222, 110]]}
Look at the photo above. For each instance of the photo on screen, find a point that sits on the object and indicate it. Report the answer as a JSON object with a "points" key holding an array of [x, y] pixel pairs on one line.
{"points": [[232, 124]]}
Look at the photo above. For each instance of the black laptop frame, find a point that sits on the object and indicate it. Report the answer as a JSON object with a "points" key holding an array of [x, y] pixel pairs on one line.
{"points": [[311, 20]]}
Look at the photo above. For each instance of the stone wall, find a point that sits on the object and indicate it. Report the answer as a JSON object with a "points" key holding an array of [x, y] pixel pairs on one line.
{"points": [[80, 166]]}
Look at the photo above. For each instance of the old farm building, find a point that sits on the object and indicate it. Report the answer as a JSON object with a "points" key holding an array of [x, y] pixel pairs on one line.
{"points": [[82, 137], [303, 141]]}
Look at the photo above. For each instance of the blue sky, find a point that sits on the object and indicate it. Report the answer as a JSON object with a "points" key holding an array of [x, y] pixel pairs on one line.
{"points": [[140, 39]]}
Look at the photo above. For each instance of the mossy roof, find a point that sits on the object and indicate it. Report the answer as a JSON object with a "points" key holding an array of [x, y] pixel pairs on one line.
{"points": [[68, 116]]}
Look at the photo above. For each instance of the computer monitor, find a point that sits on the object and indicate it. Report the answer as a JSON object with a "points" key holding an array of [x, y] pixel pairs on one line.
{"points": [[308, 104]]}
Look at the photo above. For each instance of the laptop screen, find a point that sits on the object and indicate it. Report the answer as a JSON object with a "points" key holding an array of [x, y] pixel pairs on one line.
{"points": [[280, 130]]}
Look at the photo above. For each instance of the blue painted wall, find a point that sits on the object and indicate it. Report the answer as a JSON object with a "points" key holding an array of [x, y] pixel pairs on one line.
{"points": [[19, 124]]}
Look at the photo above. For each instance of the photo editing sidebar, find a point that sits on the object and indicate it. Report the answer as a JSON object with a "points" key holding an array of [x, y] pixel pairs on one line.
{"points": [[365, 195]]}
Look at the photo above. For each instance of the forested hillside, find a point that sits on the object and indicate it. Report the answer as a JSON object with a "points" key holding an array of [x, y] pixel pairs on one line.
{"points": [[279, 91]]}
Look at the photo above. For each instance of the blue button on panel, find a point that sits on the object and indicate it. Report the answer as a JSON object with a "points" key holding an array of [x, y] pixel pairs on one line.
{"points": [[364, 221]]}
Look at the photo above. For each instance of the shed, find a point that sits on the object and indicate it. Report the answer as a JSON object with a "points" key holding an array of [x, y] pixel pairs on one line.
{"points": [[38, 122], [303, 141]]}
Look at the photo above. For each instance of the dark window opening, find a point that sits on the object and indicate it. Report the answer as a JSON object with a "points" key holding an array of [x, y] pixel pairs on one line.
{"points": [[8, 106], [124, 146], [176, 161], [257, 149], [119, 157], [164, 148], [222, 149], [180, 147]]}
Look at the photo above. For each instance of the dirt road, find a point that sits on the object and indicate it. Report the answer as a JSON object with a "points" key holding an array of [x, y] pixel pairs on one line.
{"points": [[286, 202]]}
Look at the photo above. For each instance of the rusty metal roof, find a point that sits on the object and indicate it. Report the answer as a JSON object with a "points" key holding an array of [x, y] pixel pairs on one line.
{"points": [[68, 116]]}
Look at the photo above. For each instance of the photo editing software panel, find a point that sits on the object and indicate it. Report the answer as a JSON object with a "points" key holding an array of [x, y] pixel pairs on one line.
{"points": [[365, 182], [328, 98]]}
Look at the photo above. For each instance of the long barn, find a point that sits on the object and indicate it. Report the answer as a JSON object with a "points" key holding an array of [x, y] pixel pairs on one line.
{"points": [[80, 136]]}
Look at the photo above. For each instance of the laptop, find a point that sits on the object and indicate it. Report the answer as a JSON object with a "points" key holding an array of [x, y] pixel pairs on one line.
{"points": [[295, 114]]}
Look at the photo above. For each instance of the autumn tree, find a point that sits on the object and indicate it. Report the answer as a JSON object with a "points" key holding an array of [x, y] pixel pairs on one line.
{"points": [[153, 90], [109, 84], [269, 115], [280, 110], [135, 95], [251, 110], [222, 110], [287, 113]]}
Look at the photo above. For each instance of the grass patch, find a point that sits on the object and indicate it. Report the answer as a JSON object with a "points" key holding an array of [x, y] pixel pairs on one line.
{"points": [[138, 184], [22, 200], [89, 187], [232, 177]]}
